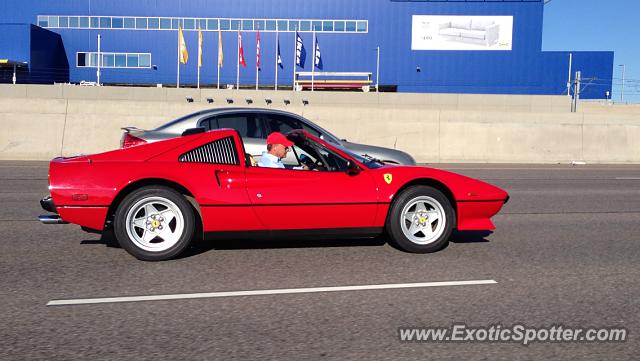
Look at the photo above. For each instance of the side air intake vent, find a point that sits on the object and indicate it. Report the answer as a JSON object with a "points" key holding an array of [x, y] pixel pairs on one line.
{"points": [[221, 151]]}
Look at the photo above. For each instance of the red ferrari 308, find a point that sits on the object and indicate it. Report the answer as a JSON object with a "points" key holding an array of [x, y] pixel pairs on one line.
{"points": [[157, 197]]}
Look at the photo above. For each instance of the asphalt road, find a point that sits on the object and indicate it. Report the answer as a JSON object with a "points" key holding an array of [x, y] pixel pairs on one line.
{"points": [[566, 251]]}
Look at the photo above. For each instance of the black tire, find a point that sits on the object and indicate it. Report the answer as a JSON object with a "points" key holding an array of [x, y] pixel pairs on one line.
{"points": [[160, 193], [395, 218]]}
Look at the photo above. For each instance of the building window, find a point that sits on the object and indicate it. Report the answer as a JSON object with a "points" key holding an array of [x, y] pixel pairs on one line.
{"points": [[129, 23], [165, 24], [108, 60], [117, 23], [114, 60], [212, 24], [43, 21], [271, 25], [63, 22], [154, 23], [189, 24], [141, 23], [206, 24], [121, 60], [53, 21]]}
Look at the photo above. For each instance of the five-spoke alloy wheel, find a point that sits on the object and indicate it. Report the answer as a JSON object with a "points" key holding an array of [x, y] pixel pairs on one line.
{"points": [[154, 223], [421, 220]]}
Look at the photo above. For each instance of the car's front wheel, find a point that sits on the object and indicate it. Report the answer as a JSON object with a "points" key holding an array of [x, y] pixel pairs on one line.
{"points": [[154, 223], [421, 220]]}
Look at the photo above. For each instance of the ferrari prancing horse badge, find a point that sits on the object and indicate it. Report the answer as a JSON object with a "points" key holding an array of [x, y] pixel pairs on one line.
{"points": [[388, 177]]}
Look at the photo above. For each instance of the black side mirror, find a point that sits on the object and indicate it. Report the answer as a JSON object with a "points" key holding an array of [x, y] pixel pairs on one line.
{"points": [[352, 168]]}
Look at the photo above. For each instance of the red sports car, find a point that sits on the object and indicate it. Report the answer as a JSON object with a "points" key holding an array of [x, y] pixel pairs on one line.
{"points": [[157, 197]]}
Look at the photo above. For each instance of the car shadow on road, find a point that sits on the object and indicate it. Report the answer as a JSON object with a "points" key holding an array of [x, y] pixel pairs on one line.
{"points": [[470, 236], [202, 246]]}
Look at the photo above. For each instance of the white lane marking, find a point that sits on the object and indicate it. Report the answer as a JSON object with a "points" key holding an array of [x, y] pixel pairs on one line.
{"points": [[184, 296], [628, 178]]}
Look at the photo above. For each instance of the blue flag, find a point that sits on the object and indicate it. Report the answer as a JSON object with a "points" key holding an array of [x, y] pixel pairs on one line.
{"points": [[301, 53], [317, 59], [279, 59]]}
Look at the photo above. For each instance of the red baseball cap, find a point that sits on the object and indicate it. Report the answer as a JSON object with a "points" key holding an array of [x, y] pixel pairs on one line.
{"points": [[278, 138]]}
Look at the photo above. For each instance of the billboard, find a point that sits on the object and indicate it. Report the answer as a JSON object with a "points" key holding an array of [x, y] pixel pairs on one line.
{"points": [[454, 32]]}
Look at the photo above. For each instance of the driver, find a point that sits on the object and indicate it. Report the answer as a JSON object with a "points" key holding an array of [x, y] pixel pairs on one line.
{"points": [[277, 147]]}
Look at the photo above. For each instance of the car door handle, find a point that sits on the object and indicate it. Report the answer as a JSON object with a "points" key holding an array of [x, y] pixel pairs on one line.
{"points": [[217, 176]]}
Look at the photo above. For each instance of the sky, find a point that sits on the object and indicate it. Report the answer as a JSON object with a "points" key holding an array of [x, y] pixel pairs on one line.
{"points": [[599, 25]]}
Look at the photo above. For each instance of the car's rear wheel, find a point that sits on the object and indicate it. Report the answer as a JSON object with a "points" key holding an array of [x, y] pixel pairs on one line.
{"points": [[421, 220], [154, 223]]}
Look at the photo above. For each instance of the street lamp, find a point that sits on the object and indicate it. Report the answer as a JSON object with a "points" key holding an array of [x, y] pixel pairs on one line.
{"points": [[622, 88]]}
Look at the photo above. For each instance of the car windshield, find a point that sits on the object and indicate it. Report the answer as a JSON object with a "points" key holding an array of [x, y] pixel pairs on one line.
{"points": [[304, 146]]}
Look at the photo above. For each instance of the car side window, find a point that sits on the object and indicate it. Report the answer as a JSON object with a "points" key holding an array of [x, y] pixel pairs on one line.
{"points": [[247, 124], [209, 123], [285, 124]]}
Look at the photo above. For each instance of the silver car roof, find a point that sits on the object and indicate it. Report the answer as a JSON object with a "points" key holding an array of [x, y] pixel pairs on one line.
{"points": [[191, 120]]}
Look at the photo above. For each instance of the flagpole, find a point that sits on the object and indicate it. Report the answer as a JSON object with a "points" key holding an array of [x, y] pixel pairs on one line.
{"points": [[218, 62], [178, 80], [257, 54], [295, 50], [313, 61], [219, 48], [199, 54], [276, 86], [238, 64]]}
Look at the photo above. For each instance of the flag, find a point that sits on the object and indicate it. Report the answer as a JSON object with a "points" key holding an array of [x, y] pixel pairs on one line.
{"points": [[220, 53], [258, 50], [317, 60], [241, 51], [199, 48], [184, 54], [278, 58], [301, 53]]}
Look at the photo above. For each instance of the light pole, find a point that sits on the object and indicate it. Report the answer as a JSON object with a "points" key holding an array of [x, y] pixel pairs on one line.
{"points": [[622, 88], [377, 69]]}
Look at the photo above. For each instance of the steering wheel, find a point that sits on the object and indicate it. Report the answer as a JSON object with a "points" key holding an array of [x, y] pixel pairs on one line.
{"points": [[310, 163]]}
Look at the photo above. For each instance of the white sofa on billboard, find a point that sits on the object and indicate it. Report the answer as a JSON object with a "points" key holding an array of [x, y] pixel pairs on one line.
{"points": [[470, 30]]}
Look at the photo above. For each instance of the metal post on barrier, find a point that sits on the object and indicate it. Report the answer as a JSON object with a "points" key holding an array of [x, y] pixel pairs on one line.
{"points": [[576, 93]]}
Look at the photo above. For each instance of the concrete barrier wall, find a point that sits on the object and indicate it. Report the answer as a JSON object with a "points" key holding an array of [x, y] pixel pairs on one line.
{"points": [[41, 122]]}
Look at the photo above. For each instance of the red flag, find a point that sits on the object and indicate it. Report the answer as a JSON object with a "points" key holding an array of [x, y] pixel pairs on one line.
{"points": [[241, 52], [258, 50]]}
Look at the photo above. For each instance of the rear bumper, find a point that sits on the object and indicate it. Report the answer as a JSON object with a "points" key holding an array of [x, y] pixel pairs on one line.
{"points": [[47, 204]]}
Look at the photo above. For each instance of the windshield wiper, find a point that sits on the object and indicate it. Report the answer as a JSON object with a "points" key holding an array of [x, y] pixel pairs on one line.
{"points": [[372, 159]]}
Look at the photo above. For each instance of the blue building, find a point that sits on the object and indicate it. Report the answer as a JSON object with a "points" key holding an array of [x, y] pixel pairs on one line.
{"points": [[472, 46]]}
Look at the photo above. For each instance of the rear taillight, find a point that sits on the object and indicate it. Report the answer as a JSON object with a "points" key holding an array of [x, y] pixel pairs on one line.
{"points": [[129, 141]]}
